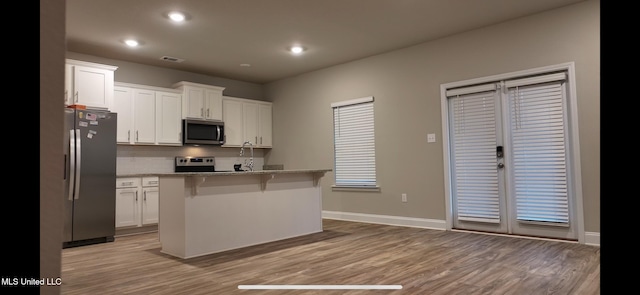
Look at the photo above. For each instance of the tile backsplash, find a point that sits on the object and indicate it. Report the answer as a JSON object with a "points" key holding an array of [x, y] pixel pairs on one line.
{"points": [[135, 159]]}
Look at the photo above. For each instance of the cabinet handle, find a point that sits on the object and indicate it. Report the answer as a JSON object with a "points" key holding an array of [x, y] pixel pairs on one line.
{"points": [[256, 140], [201, 112], [76, 100], [136, 135], [145, 196], [153, 182], [260, 139], [208, 114], [136, 196], [66, 96], [128, 135]]}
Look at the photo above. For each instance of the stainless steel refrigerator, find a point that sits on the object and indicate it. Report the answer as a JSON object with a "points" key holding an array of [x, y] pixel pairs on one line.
{"points": [[89, 176]]}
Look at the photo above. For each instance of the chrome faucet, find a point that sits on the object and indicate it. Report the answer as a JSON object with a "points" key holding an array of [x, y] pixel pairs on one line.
{"points": [[250, 164]]}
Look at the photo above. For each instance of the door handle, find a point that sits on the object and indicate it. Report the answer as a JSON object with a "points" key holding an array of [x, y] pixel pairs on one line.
{"points": [[72, 161], [78, 164], [500, 165]]}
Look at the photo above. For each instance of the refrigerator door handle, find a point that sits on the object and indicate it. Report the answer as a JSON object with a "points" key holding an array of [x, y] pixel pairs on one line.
{"points": [[72, 162], [79, 164]]}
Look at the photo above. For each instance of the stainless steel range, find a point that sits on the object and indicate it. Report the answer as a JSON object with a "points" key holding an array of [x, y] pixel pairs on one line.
{"points": [[195, 164]]}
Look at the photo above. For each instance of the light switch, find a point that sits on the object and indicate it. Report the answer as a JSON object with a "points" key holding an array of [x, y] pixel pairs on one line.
{"points": [[431, 137]]}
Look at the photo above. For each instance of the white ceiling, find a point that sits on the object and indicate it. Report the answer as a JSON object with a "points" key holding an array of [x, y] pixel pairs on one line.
{"points": [[222, 34]]}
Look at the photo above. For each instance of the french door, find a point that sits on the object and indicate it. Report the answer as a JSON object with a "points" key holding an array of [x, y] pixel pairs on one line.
{"points": [[509, 157]]}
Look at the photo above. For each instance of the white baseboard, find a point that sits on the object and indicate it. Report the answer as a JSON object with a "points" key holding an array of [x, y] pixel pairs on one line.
{"points": [[386, 219], [591, 238]]}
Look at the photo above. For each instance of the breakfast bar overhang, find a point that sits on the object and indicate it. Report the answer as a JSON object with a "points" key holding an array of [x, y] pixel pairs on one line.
{"points": [[202, 213]]}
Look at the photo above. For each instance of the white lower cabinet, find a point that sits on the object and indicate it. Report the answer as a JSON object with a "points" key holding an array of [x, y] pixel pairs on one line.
{"points": [[150, 200], [136, 201]]}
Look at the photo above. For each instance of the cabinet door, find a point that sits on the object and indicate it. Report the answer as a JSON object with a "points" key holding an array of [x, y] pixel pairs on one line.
{"points": [[214, 104], [232, 116], [127, 210], [144, 109], [122, 104], [194, 102], [168, 118], [92, 87], [265, 126], [150, 200], [68, 84], [250, 122]]}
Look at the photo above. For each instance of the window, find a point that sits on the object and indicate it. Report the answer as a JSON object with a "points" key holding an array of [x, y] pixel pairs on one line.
{"points": [[354, 143]]}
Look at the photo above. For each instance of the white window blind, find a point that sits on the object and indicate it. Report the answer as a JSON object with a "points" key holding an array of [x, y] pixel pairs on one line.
{"points": [[473, 133], [354, 143], [537, 126]]}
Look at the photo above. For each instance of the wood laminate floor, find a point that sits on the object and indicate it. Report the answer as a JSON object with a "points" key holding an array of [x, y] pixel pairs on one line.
{"points": [[422, 261]]}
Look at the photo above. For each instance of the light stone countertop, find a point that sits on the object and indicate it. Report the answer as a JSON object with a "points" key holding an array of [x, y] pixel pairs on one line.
{"points": [[233, 173]]}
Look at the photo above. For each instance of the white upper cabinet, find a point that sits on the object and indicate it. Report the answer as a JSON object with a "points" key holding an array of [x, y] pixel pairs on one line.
{"points": [[89, 84], [168, 118], [148, 115], [144, 116], [265, 125], [123, 106], [200, 101], [250, 122], [247, 120]]}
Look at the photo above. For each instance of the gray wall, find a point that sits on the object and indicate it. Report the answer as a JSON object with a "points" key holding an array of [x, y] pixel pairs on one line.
{"points": [[52, 48], [405, 84], [164, 77]]}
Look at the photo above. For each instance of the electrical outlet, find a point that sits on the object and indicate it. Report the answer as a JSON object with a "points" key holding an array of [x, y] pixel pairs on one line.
{"points": [[404, 198], [431, 137]]}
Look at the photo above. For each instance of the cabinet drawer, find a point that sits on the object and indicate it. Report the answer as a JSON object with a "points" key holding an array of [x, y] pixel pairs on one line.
{"points": [[150, 181], [127, 182]]}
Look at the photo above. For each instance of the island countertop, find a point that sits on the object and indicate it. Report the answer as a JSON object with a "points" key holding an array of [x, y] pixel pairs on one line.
{"points": [[233, 173]]}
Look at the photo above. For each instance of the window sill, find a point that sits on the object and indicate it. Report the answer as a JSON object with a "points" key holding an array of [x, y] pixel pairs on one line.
{"points": [[346, 188]]}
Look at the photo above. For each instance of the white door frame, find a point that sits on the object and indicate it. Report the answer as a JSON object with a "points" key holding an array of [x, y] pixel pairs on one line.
{"points": [[573, 136]]}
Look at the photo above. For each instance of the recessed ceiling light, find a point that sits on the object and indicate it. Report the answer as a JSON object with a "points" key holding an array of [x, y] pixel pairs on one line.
{"points": [[176, 16], [245, 65], [131, 42], [296, 49]]}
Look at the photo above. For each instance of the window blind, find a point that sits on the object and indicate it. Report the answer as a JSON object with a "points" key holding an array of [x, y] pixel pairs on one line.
{"points": [[537, 126], [354, 143], [473, 134]]}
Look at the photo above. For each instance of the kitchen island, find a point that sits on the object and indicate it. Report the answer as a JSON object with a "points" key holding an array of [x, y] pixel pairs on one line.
{"points": [[202, 213]]}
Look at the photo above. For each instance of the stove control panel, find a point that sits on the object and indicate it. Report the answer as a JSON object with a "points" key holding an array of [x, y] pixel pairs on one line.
{"points": [[195, 164], [195, 161]]}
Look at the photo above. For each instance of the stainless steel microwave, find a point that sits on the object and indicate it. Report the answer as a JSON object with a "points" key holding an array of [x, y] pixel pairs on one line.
{"points": [[202, 132]]}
